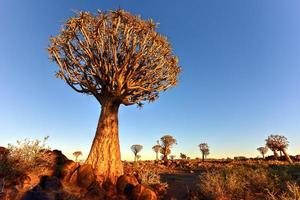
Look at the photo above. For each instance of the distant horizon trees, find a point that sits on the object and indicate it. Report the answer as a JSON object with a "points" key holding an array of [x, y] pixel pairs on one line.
{"points": [[136, 148], [263, 151], [204, 148], [278, 143], [120, 59]]}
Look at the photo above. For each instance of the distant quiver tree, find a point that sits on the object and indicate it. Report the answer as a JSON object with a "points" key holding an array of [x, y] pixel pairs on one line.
{"points": [[136, 148], [119, 59], [156, 148], [278, 143], [76, 154], [204, 148], [167, 142], [263, 151]]}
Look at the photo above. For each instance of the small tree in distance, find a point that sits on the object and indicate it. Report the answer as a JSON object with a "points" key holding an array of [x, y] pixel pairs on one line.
{"points": [[183, 156], [204, 148], [136, 148], [119, 59], [76, 154], [167, 142], [263, 151], [278, 143], [172, 157], [156, 148]]}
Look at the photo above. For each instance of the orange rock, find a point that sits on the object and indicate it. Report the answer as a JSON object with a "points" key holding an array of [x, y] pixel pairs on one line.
{"points": [[85, 176], [125, 181], [141, 192]]}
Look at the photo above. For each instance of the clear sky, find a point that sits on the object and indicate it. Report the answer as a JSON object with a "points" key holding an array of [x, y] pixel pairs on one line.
{"points": [[240, 80]]}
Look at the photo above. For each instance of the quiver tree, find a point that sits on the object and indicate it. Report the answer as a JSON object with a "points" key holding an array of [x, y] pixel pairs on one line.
{"points": [[136, 148], [183, 156], [172, 157], [167, 143], [76, 154], [119, 59], [263, 151], [156, 148], [278, 143], [204, 148]]}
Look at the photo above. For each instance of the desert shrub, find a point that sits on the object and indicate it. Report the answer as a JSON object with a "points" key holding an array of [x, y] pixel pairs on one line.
{"points": [[243, 182], [292, 193], [25, 156]]}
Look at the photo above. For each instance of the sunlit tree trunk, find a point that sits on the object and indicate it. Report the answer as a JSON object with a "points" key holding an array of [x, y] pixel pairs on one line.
{"points": [[203, 156], [105, 156], [156, 155], [275, 154], [287, 157]]}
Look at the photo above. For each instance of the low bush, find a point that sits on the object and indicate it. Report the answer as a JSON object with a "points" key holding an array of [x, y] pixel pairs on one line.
{"points": [[245, 182], [26, 156]]}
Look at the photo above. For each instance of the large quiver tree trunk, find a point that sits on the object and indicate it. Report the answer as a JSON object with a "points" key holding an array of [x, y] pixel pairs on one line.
{"points": [[105, 156], [287, 157]]}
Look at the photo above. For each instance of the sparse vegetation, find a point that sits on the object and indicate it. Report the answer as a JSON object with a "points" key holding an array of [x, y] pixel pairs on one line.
{"points": [[26, 155], [244, 182]]}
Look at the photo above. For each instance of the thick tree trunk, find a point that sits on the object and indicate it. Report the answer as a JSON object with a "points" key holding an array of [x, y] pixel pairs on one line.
{"points": [[263, 155], [287, 157], [156, 156], [105, 156], [203, 156]]}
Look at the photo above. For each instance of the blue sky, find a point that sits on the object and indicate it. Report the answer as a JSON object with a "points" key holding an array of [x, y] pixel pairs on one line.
{"points": [[240, 80]]}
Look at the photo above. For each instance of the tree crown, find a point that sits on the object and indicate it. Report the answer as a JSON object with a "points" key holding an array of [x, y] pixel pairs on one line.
{"points": [[114, 56], [277, 142], [136, 148], [263, 150], [167, 141], [203, 147]]}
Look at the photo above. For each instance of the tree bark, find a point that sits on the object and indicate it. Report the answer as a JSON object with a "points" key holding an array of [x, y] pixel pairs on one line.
{"points": [[275, 154], [105, 156], [202, 156], [156, 155], [287, 157]]}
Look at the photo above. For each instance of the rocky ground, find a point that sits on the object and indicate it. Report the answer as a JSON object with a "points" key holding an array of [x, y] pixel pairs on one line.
{"points": [[62, 179]]}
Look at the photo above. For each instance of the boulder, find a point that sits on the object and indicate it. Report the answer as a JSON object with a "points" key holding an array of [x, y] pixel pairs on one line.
{"points": [[85, 176], [124, 182], [94, 192], [50, 183], [142, 192], [110, 190], [68, 170]]}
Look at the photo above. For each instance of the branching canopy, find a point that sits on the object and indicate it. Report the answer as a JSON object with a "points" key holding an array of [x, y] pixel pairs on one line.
{"points": [[277, 142], [263, 150], [114, 56], [136, 148], [204, 148]]}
